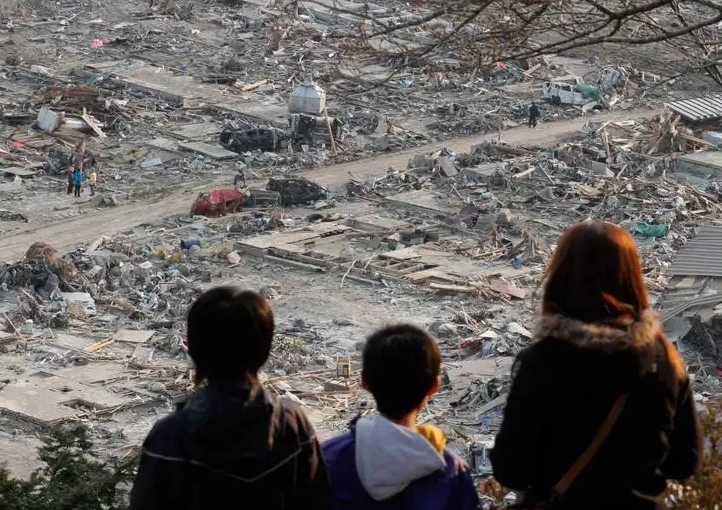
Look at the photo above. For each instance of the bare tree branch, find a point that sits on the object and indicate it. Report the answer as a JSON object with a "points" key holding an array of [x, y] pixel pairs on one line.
{"points": [[477, 32]]}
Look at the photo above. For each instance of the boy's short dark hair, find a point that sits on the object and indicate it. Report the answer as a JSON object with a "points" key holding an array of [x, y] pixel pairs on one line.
{"points": [[229, 334], [400, 366]]}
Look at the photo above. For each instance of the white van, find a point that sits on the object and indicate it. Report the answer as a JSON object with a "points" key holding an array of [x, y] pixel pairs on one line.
{"points": [[563, 93]]}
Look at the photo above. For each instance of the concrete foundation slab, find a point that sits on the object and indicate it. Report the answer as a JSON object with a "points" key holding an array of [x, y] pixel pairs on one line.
{"points": [[477, 368], [374, 223], [133, 336], [212, 151], [65, 341], [47, 398], [196, 131], [165, 144], [92, 373], [701, 163], [34, 403], [426, 202]]}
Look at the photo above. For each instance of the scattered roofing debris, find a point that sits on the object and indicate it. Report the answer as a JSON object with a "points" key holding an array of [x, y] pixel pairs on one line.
{"points": [[699, 109], [701, 256]]}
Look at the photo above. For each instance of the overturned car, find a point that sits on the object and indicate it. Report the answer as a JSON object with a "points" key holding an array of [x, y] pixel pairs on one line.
{"points": [[296, 190], [220, 202], [266, 139]]}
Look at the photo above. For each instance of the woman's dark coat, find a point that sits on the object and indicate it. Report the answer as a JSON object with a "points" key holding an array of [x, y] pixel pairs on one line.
{"points": [[564, 386]]}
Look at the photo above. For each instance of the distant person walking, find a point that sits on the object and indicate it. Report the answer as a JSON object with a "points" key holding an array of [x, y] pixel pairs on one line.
{"points": [[600, 413], [77, 181], [533, 115], [70, 180]]}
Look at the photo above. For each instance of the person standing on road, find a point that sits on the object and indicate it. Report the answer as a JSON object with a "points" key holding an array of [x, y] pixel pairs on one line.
{"points": [[92, 182], [70, 180], [601, 412], [533, 115], [77, 181]]}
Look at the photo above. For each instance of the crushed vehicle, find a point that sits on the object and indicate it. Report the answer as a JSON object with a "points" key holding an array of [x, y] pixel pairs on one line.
{"points": [[308, 128], [578, 94], [244, 140], [220, 202], [59, 160], [296, 190]]}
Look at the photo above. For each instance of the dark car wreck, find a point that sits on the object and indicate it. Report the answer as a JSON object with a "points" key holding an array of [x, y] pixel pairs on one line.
{"points": [[297, 190], [266, 139]]}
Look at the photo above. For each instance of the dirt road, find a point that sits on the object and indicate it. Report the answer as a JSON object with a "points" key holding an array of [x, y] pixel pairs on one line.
{"points": [[84, 229]]}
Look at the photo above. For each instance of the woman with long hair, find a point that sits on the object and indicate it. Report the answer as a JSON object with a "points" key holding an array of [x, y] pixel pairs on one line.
{"points": [[600, 413]]}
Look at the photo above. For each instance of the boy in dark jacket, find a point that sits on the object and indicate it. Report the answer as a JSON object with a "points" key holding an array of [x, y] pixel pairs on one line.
{"points": [[386, 461], [231, 445]]}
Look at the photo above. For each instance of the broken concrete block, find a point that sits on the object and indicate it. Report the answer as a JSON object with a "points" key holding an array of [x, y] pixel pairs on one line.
{"points": [[145, 268], [95, 273], [51, 285], [28, 327], [143, 355], [444, 329], [80, 303], [148, 163], [133, 336], [518, 329], [421, 161], [504, 218], [48, 120], [447, 168], [601, 169]]}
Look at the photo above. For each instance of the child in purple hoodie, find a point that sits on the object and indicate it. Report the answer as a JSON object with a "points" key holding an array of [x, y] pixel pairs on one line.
{"points": [[387, 462]]}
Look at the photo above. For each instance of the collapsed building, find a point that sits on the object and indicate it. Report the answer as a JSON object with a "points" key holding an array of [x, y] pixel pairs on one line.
{"points": [[308, 123]]}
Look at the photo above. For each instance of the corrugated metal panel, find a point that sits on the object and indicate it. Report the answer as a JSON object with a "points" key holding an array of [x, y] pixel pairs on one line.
{"points": [[701, 256], [713, 299], [701, 108]]}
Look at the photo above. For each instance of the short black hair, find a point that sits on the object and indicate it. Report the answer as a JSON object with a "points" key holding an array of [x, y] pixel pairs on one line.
{"points": [[229, 334], [401, 364]]}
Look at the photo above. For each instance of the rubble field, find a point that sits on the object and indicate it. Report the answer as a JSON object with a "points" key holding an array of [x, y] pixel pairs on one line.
{"points": [[166, 94], [455, 242], [230, 151]]}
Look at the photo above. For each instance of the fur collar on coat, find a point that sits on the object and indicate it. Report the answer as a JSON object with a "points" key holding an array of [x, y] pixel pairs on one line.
{"points": [[643, 338]]}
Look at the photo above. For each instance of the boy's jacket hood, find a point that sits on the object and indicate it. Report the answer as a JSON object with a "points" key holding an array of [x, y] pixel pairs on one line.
{"points": [[642, 339], [389, 457]]}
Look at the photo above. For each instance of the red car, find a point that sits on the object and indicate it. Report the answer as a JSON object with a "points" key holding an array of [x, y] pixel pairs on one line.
{"points": [[218, 202]]}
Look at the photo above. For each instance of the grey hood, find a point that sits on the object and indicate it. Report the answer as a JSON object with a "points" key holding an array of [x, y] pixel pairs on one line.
{"points": [[389, 457]]}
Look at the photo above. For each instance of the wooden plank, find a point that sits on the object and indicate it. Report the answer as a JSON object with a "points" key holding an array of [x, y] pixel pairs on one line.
{"points": [[499, 286], [428, 274], [453, 288], [91, 123], [252, 86]]}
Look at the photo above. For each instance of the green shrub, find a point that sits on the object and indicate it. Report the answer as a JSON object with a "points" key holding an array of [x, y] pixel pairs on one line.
{"points": [[71, 478]]}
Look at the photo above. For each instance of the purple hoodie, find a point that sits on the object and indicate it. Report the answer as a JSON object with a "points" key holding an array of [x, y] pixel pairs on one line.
{"points": [[382, 466]]}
